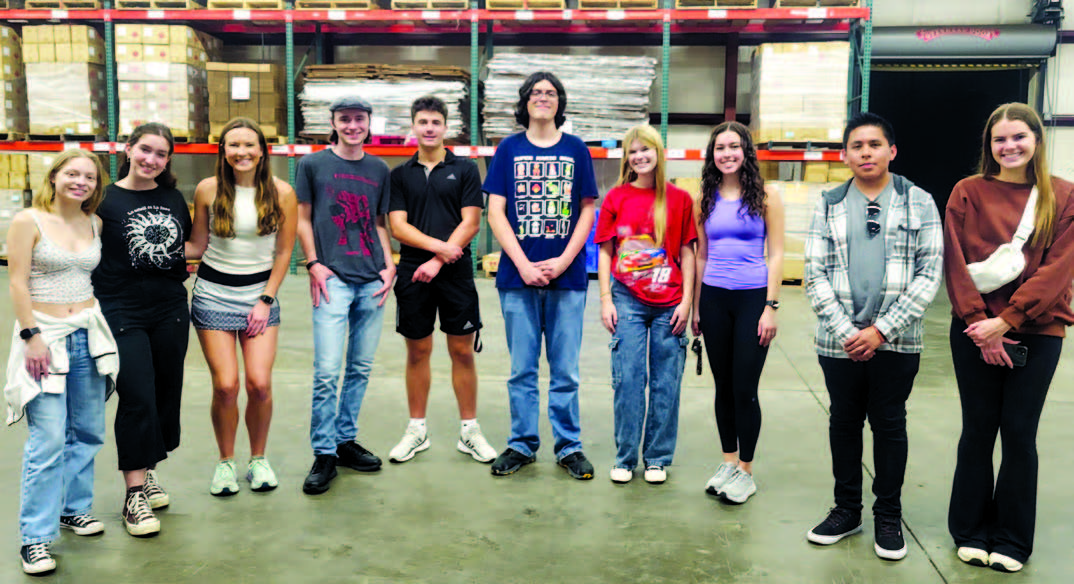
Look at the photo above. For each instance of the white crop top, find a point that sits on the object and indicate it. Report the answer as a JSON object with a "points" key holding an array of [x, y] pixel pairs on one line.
{"points": [[59, 276], [247, 252]]}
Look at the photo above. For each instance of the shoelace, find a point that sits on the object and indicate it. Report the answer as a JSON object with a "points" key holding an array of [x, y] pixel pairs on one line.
{"points": [[838, 515], [260, 469], [227, 472], [888, 527], [81, 520], [138, 507], [37, 552]]}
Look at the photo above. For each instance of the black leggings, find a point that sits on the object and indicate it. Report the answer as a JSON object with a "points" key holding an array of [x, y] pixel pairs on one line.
{"points": [[152, 342], [989, 511], [729, 324]]}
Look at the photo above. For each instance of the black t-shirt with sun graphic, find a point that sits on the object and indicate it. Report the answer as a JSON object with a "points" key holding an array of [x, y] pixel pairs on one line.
{"points": [[142, 238]]}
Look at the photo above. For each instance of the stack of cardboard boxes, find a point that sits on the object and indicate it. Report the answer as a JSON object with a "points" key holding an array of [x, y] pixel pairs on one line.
{"points": [[249, 90], [65, 79], [13, 193], [799, 92], [11, 202], [13, 171], [162, 78], [12, 84]]}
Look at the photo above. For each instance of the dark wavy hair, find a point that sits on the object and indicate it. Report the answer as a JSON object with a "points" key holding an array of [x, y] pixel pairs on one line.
{"points": [[166, 179], [269, 212], [522, 114], [749, 175], [428, 103]]}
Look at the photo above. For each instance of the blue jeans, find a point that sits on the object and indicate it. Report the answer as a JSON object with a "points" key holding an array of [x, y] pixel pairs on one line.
{"points": [[66, 431], [353, 315], [644, 350], [557, 314]]}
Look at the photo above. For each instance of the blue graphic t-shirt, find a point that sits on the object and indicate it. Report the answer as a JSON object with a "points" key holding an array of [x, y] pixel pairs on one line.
{"points": [[544, 188], [347, 196]]}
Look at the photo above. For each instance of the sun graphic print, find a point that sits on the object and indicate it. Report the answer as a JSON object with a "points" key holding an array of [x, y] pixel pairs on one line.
{"points": [[154, 238]]}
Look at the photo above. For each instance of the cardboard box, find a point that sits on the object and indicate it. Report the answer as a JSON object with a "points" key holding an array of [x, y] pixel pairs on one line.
{"points": [[815, 172], [61, 34], [128, 33], [47, 53], [30, 54], [156, 34], [129, 53]]}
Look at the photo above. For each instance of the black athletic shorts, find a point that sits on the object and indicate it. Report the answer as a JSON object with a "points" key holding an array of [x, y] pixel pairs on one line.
{"points": [[451, 293]]}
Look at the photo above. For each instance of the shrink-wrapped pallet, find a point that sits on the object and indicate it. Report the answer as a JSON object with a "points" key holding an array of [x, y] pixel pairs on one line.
{"points": [[13, 116], [799, 92]]}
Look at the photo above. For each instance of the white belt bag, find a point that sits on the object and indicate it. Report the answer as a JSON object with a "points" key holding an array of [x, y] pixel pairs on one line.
{"points": [[1007, 262]]}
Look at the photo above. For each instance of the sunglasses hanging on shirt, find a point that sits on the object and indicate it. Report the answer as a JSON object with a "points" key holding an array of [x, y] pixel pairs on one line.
{"points": [[872, 218]]}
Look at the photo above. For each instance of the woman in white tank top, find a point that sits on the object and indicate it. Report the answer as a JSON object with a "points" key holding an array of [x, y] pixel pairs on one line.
{"points": [[61, 354], [244, 224]]}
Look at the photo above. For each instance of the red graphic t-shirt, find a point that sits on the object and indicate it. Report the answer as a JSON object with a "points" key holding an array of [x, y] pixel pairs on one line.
{"points": [[652, 274]]}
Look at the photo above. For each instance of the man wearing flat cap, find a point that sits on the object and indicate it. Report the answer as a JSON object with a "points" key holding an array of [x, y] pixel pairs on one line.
{"points": [[343, 195]]}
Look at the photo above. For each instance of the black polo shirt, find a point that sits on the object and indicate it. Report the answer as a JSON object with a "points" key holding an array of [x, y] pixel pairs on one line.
{"points": [[434, 204]]}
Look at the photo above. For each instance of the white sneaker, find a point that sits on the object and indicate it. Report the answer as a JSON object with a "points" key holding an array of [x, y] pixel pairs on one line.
{"points": [[973, 556], [621, 475], [1002, 563], [412, 443], [472, 442], [723, 473], [224, 483], [158, 497], [739, 487], [655, 475], [260, 475]]}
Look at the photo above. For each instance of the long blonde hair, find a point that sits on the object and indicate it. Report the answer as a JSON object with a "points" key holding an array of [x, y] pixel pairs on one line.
{"points": [[1036, 173], [45, 197], [269, 212], [648, 136]]}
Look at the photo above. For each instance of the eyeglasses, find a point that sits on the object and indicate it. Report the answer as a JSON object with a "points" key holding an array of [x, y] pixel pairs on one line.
{"points": [[539, 93], [872, 218]]}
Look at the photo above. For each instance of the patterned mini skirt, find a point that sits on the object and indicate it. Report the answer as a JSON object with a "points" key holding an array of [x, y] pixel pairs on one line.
{"points": [[221, 302]]}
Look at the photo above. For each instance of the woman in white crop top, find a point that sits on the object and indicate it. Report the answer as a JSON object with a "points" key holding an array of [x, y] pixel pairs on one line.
{"points": [[244, 230], [61, 354]]}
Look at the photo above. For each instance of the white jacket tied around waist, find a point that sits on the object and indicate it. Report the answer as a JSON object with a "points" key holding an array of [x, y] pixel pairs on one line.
{"points": [[21, 387]]}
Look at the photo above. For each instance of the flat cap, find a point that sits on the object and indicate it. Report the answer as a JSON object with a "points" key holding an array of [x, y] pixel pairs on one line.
{"points": [[350, 102]]}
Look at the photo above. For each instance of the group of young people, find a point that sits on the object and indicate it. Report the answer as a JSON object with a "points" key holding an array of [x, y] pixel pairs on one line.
{"points": [[97, 283]]}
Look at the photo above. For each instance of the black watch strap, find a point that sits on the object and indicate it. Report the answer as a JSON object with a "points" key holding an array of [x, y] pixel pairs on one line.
{"points": [[267, 299], [28, 333], [311, 263], [773, 303]]}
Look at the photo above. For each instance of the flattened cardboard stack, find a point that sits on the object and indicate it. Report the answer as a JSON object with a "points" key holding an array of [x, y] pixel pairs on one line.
{"points": [[13, 116], [606, 96], [390, 89], [249, 90], [65, 82], [162, 78], [799, 92]]}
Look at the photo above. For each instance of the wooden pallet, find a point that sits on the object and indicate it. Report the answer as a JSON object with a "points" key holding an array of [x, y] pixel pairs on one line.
{"points": [[526, 4], [66, 137], [817, 3], [12, 136], [710, 4], [245, 4], [430, 4], [336, 5], [158, 5], [614, 4], [375, 71], [64, 4]]}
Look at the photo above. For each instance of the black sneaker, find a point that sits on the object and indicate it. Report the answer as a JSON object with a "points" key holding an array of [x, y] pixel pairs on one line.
{"points": [[322, 473], [352, 455], [84, 524], [839, 523], [510, 461], [37, 559], [577, 466], [889, 543]]}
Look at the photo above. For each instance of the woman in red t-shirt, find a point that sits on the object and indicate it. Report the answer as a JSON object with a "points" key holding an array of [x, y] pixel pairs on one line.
{"points": [[646, 233]]}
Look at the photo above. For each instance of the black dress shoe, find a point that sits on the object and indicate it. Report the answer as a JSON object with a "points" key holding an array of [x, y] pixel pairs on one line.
{"points": [[322, 473], [352, 455]]}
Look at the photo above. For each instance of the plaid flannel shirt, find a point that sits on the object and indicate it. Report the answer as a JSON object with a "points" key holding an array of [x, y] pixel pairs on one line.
{"points": [[913, 238]]}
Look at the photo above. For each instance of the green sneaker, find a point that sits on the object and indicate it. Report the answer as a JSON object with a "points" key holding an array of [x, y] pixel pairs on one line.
{"points": [[224, 483], [260, 475]]}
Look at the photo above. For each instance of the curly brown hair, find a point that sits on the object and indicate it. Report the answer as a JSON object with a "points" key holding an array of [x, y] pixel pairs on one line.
{"points": [[753, 196]]}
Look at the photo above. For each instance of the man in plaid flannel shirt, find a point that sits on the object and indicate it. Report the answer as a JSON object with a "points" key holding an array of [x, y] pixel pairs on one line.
{"points": [[873, 263]]}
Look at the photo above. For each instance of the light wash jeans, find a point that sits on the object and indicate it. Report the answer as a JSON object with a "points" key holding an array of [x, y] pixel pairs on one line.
{"points": [[353, 320], [529, 313], [644, 351], [66, 431]]}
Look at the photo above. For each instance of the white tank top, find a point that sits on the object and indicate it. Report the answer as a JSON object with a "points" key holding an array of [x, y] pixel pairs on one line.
{"points": [[247, 252]]}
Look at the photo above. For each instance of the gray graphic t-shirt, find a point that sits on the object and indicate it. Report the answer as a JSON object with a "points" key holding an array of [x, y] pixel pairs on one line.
{"points": [[347, 196]]}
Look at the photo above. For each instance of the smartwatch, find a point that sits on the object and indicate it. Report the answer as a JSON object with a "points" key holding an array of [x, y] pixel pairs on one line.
{"points": [[28, 333], [773, 303], [267, 299]]}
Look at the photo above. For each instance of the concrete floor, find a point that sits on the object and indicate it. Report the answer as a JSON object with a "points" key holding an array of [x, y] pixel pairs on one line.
{"points": [[442, 518]]}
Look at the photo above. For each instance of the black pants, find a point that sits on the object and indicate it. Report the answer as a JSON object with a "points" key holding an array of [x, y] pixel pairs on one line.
{"points": [[876, 389], [152, 332], [736, 357], [989, 512]]}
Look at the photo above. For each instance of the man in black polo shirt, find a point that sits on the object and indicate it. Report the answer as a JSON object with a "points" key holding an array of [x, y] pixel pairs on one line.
{"points": [[435, 211]]}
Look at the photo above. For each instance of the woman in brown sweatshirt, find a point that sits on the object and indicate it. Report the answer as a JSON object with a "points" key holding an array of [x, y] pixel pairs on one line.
{"points": [[992, 519]]}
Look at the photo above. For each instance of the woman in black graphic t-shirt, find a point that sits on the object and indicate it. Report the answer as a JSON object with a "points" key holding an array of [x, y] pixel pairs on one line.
{"points": [[139, 284]]}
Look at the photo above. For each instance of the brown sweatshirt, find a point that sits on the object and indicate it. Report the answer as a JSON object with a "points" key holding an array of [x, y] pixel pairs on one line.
{"points": [[983, 214]]}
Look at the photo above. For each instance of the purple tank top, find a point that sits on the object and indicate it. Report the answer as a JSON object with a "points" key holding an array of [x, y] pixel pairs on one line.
{"points": [[736, 248]]}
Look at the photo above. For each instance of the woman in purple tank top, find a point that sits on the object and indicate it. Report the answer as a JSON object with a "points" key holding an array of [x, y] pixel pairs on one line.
{"points": [[737, 295]]}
